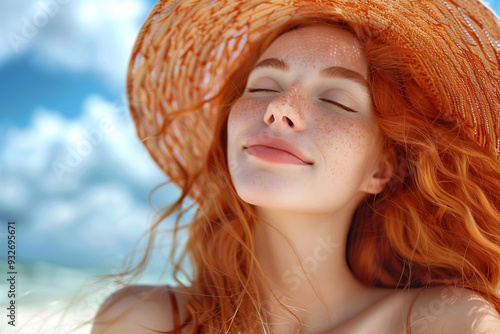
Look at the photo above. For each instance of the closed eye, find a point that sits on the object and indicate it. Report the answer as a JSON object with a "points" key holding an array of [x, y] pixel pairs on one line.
{"points": [[335, 103], [338, 105], [253, 90]]}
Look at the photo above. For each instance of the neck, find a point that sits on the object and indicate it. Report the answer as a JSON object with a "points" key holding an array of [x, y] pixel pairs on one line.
{"points": [[303, 258]]}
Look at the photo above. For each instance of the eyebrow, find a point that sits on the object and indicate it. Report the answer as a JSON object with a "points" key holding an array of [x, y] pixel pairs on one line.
{"points": [[345, 73], [329, 72], [273, 63]]}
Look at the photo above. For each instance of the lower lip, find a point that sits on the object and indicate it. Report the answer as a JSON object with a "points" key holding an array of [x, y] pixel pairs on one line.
{"points": [[274, 155]]}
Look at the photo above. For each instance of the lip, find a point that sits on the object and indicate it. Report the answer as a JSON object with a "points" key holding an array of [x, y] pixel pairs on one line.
{"points": [[278, 144]]}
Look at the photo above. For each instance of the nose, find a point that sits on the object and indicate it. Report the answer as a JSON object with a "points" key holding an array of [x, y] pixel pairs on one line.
{"points": [[286, 110]]}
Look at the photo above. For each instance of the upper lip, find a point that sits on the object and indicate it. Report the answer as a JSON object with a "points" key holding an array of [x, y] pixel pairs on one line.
{"points": [[280, 144]]}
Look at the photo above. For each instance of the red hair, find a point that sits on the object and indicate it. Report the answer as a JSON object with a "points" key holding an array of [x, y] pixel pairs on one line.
{"points": [[437, 222]]}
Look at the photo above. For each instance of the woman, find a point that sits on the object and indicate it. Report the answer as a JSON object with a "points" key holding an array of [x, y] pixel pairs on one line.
{"points": [[343, 159]]}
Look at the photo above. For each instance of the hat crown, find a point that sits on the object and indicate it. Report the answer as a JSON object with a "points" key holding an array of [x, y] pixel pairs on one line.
{"points": [[186, 50]]}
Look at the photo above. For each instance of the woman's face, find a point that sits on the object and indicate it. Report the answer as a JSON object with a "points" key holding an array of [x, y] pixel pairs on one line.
{"points": [[308, 89]]}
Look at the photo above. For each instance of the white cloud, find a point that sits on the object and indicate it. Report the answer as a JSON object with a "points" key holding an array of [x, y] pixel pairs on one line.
{"points": [[90, 35], [14, 193], [95, 199]]}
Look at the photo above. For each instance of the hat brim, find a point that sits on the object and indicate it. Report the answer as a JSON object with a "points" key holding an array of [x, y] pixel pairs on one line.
{"points": [[186, 50]]}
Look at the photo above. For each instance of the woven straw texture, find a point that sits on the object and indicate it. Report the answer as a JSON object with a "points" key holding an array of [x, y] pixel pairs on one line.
{"points": [[187, 49]]}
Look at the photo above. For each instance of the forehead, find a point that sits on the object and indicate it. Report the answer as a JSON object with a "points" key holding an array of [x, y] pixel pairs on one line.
{"points": [[319, 44]]}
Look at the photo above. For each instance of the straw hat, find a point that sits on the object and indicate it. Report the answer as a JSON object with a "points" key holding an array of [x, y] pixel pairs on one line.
{"points": [[186, 50]]}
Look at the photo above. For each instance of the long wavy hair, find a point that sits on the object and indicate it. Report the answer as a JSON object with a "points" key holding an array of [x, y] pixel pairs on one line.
{"points": [[436, 223]]}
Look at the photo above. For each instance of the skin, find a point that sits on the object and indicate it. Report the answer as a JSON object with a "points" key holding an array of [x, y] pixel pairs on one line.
{"points": [[311, 205], [344, 145]]}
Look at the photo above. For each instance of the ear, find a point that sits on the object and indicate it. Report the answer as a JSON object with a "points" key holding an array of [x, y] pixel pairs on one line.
{"points": [[381, 176]]}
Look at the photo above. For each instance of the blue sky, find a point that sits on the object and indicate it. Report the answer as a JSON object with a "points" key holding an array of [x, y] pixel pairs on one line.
{"points": [[73, 175]]}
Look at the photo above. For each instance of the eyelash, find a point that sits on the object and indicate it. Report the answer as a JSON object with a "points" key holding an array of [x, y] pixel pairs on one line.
{"points": [[253, 90], [340, 105]]}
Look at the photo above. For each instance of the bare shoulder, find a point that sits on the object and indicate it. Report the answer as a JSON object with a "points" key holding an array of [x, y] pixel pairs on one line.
{"points": [[446, 309], [138, 309]]}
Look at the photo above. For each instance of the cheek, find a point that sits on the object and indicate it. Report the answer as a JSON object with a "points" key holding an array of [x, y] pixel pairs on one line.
{"points": [[348, 147], [244, 113], [351, 136]]}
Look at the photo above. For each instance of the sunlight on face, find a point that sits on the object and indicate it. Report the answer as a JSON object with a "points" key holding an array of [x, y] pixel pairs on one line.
{"points": [[308, 89]]}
